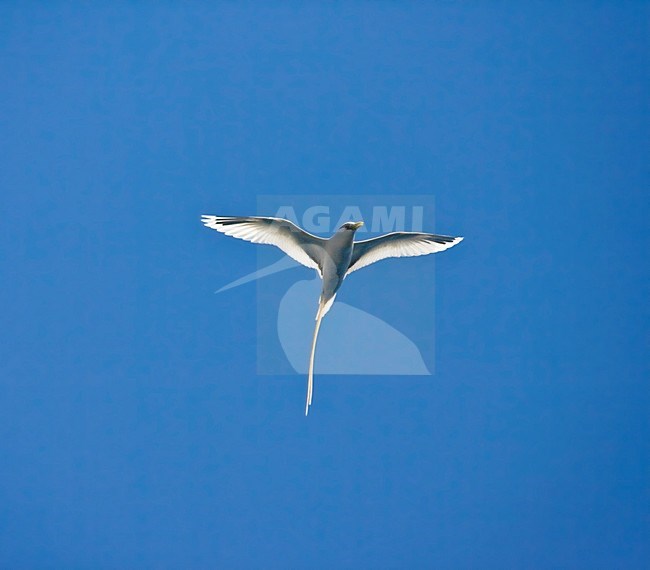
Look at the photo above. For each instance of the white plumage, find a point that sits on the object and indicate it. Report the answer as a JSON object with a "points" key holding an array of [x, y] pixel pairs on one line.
{"points": [[333, 258]]}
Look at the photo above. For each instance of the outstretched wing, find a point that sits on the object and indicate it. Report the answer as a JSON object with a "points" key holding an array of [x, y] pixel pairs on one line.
{"points": [[298, 244], [398, 244]]}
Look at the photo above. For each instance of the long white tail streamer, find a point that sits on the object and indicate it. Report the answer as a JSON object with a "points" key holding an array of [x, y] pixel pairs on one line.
{"points": [[322, 310]]}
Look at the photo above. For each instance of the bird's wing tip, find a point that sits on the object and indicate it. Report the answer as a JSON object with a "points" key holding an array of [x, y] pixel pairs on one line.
{"points": [[209, 221]]}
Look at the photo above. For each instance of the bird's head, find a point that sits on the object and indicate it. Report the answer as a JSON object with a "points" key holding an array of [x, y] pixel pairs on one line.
{"points": [[353, 226]]}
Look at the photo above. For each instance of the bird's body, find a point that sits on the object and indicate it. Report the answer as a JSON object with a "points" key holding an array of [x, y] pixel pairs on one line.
{"points": [[338, 250], [332, 258], [334, 267]]}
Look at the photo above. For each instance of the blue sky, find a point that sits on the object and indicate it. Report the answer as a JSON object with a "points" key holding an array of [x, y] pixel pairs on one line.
{"points": [[135, 432]]}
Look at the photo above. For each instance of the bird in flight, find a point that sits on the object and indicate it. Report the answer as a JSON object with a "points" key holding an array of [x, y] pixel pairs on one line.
{"points": [[334, 258]]}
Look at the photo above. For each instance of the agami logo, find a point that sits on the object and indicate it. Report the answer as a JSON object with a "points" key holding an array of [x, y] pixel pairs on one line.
{"points": [[383, 219]]}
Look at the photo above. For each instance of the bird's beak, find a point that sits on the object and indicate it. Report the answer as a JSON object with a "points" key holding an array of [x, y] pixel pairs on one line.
{"points": [[357, 225]]}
